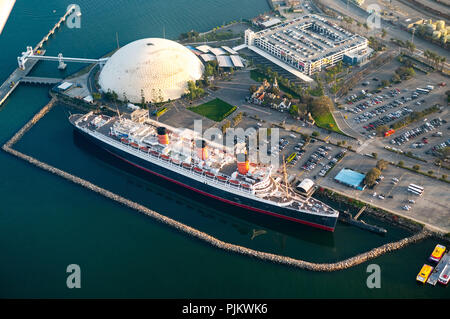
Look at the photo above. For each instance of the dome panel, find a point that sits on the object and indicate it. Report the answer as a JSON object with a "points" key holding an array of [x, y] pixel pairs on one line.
{"points": [[158, 67]]}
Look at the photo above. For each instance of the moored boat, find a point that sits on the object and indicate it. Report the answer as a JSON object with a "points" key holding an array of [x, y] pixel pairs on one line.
{"points": [[424, 273], [437, 253]]}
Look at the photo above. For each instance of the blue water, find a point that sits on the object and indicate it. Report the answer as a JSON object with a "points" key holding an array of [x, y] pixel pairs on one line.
{"points": [[47, 223]]}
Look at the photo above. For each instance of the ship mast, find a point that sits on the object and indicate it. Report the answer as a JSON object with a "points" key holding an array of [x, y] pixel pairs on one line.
{"points": [[285, 177], [118, 113]]}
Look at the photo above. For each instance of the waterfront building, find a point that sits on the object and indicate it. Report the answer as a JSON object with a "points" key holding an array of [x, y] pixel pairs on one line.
{"points": [[307, 44]]}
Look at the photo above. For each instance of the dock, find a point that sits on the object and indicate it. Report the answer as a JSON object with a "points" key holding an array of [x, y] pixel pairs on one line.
{"points": [[360, 212], [433, 279], [40, 80], [14, 79], [19, 74]]}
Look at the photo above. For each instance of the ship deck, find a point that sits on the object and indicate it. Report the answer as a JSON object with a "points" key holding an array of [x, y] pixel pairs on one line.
{"points": [[268, 188]]}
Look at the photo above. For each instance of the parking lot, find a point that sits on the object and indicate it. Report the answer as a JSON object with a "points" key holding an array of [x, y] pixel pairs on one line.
{"points": [[430, 208], [391, 103]]}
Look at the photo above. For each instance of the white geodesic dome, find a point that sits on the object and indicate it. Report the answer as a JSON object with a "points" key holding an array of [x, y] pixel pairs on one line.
{"points": [[155, 67]]}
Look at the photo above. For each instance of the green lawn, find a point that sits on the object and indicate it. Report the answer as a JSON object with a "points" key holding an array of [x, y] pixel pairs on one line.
{"points": [[327, 121], [215, 110]]}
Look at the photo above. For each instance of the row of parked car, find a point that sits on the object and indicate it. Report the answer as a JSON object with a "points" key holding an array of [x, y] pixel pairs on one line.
{"points": [[440, 146], [413, 133], [388, 118], [316, 157], [331, 164], [276, 149]]}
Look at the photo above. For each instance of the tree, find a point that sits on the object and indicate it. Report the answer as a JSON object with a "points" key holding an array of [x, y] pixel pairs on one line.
{"points": [[320, 106], [380, 130], [401, 163], [226, 125], [315, 134], [372, 176], [375, 155], [294, 110], [194, 91], [382, 164], [416, 167]]}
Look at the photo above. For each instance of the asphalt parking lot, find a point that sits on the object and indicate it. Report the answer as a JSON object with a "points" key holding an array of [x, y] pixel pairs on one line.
{"points": [[430, 208], [392, 103]]}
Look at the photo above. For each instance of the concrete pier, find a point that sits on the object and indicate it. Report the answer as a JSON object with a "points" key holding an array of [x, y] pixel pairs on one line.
{"points": [[14, 79], [279, 259], [40, 80]]}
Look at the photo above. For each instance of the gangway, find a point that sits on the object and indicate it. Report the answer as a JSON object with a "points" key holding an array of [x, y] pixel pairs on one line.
{"points": [[30, 54]]}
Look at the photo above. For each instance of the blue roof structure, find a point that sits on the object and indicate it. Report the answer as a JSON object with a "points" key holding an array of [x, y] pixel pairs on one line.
{"points": [[350, 178]]}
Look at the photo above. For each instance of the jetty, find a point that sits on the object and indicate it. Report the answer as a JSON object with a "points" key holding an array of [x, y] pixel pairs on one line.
{"points": [[279, 259]]}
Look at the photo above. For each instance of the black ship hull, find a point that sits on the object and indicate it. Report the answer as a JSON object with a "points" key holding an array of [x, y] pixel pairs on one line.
{"points": [[248, 204]]}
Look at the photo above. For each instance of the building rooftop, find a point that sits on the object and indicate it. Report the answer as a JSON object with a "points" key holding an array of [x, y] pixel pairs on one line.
{"points": [[349, 177], [310, 38]]}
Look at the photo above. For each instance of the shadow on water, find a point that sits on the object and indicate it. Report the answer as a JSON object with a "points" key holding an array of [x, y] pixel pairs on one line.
{"points": [[247, 223]]}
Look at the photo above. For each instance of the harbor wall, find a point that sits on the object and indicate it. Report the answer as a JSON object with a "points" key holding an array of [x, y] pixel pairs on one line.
{"points": [[279, 259]]}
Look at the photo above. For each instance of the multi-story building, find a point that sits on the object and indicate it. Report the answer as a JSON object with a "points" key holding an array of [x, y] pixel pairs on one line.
{"points": [[308, 43]]}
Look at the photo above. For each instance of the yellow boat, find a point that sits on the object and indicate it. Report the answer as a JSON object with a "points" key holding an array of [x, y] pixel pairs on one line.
{"points": [[437, 253], [424, 273]]}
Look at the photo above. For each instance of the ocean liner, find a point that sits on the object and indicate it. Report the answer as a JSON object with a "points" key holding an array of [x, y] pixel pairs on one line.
{"points": [[205, 167]]}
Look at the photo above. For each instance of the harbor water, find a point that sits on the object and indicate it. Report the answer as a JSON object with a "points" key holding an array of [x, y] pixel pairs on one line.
{"points": [[47, 223]]}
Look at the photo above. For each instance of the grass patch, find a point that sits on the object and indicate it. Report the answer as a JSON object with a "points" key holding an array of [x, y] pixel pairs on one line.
{"points": [[327, 122], [215, 110]]}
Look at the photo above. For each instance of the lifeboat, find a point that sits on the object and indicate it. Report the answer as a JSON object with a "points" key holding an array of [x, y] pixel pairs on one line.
{"points": [[245, 186], [198, 170], [222, 178], [124, 140], [175, 161], [165, 157], [234, 182], [154, 153], [187, 165], [143, 148], [134, 145], [209, 174]]}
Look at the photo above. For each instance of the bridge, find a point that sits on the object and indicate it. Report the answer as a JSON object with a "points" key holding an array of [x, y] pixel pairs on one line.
{"points": [[31, 54], [40, 80]]}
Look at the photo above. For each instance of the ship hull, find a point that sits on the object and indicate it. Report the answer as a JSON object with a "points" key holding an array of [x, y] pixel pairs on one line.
{"points": [[229, 198]]}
